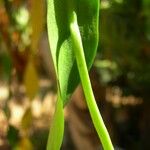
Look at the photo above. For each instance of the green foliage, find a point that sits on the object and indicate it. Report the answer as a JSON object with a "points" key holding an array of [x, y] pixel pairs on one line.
{"points": [[73, 37], [60, 40]]}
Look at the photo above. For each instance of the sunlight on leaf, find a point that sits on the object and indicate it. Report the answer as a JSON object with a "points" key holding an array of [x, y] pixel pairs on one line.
{"points": [[22, 17]]}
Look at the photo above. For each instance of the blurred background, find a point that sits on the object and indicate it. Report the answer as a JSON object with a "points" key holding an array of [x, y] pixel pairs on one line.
{"points": [[120, 78]]}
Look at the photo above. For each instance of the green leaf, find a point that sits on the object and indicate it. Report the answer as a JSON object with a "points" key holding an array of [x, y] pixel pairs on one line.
{"points": [[62, 49], [61, 43], [57, 128]]}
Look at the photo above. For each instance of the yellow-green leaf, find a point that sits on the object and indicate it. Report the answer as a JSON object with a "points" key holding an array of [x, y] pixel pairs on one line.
{"points": [[37, 21], [27, 119], [31, 80], [24, 144], [57, 127]]}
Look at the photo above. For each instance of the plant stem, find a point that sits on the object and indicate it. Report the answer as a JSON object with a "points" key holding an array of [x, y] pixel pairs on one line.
{"points": [[85, 80]]}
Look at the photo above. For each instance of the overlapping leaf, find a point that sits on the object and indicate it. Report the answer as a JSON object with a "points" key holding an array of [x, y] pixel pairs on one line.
{"points": [[58, 20], [61, 44]]}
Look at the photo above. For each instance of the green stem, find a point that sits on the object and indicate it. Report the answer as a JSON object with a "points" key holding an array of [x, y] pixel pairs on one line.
{"points": [[85, 80]]}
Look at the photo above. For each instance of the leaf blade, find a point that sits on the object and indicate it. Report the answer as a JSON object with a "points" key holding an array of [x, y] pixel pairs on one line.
{"points": [[57, 127], [60, 40]]}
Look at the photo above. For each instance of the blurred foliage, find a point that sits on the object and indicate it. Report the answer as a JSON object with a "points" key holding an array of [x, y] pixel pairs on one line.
{"points": [[125, 43], [31, 75], [12, 136], [21, 25]]}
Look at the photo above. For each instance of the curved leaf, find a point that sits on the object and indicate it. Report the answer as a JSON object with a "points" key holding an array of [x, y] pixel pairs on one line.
{"points": [[61, 43], [62, 49]]}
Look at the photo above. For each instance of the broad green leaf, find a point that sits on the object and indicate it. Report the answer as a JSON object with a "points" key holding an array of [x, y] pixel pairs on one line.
{"points": [[62, 49], [57, 128], [31, 80], [61, 43]]}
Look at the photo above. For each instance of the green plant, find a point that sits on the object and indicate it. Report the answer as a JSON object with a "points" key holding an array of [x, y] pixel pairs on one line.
{"points": [[73, 36]]}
